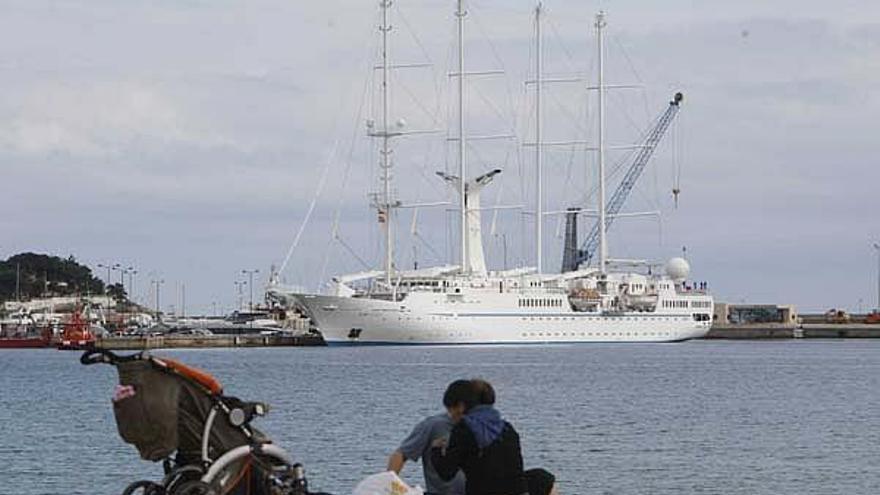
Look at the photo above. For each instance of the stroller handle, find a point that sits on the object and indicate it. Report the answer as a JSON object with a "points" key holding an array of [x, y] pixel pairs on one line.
{"points": [[96, 356]]}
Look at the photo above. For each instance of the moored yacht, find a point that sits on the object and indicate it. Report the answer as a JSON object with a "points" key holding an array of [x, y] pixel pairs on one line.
{"points": [[607, 301]]}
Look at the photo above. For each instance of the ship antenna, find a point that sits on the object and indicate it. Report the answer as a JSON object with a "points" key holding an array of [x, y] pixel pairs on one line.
{"points": [[603, 242], [539, 195], [462, 164]]}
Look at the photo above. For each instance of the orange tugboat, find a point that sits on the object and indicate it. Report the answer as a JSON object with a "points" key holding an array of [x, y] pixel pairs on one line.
{"points": [[76, 334]]}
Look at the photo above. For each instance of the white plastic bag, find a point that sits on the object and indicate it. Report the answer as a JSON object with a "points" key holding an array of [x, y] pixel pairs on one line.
{"points": [[387, 483]]}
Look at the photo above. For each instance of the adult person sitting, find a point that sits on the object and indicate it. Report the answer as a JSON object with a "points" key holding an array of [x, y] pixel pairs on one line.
{"points": [[484, 446], [539, 481], [431, 429]]}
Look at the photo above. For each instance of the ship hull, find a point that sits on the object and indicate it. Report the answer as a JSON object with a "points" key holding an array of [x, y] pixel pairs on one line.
{"points": [[24, 343], [343, 320]]}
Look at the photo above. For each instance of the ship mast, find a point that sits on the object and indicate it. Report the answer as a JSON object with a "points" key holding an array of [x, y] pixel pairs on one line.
{"points": [[386, 151], [603, 243], [539, 195], [462, 164], [384, 203]]}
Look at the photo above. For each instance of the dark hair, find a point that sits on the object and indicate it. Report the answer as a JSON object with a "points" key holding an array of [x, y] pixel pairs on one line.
{"points": [[460, 391], [485, 392]]}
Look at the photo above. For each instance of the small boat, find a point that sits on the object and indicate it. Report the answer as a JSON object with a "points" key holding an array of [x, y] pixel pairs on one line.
{"points": [[24, 334], [76, 334], [26, 342]]}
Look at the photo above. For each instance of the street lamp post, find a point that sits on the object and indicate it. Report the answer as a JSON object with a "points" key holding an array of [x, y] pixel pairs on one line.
{"points": [[122, 272], [131, 273], [238, 285], [877, 248], [250, 274], [158, 284], [107, 284]]}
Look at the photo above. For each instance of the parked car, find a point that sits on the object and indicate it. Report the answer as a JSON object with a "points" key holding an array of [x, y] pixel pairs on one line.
{"points": [[837, 316]]}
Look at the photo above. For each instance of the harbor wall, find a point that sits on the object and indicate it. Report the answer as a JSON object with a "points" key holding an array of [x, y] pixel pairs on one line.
{"points": [[202, 341], [800, 331]]}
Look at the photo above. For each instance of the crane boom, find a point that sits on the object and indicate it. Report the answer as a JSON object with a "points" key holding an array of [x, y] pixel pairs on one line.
{"points": [[588, 249]]}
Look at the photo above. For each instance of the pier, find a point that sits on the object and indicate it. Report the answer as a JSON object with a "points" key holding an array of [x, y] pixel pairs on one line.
{"points": [[139, 343]]}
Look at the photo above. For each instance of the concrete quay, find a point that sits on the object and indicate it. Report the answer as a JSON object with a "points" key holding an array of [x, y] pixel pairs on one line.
{"points": [[799, 331], [752, 331], [139, 343]]}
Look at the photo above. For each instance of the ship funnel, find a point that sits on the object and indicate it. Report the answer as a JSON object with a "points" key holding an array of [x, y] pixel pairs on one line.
{"points": [[570, 252]]}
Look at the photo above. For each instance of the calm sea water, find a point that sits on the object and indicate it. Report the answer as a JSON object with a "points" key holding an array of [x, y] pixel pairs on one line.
{"points": [[794, 417]]}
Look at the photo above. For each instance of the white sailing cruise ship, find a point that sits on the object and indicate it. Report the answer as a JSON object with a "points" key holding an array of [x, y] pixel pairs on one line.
{"points": [[606, 301]]}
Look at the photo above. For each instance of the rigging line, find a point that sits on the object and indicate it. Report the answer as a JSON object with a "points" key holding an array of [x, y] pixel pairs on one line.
{"points": [[311, 208], [322, 181], [352, 252], [428, 245], [498, 113], [527, 119], [651, 202], [494, 223], [497, 56], [632, 67], [415, 99], [451, 53], [481, 29], [413, 34], [582, 117], [328, 247], [435, 79], [429, 178], [676, 149], [615, 170], [639, 79], [567, 185], [618, 101], [514, 115], [350, 158], [564, 109]]}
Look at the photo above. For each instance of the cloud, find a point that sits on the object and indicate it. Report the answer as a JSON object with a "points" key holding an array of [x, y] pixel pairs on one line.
{"points": [[100, 118]]}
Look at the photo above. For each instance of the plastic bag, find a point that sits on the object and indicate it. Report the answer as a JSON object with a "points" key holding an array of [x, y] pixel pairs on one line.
{"points": [[387, 483]]}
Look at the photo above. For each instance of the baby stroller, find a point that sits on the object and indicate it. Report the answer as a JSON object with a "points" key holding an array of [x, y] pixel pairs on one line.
{"points": [[179, 415]]}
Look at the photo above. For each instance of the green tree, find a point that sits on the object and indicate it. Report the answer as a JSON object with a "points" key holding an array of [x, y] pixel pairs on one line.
{"points": [[117, 292], [39, 274]]}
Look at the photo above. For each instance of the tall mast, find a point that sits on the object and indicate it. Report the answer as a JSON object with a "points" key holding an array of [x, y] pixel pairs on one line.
{"points": [[603, 243], [539, 195], [462, 165], [386, 150]]}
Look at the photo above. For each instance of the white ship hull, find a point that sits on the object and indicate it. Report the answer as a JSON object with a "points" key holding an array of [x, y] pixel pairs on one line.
{"points": [[348, 320]]}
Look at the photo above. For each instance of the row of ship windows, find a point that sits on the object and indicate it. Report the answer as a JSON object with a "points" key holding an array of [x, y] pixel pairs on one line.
{"points": [[594, 334], [603, 318], [686, 304], [696, 317], [675, 304], [540, 303]]}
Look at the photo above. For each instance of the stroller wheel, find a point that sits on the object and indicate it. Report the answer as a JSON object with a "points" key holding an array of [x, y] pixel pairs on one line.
{"points": [[144, 487], [195, 487]]}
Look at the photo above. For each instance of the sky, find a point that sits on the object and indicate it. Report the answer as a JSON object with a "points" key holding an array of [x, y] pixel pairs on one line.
{"points": [[189, 138]]}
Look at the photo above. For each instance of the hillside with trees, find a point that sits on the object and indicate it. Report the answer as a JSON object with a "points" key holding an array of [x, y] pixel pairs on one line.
{"points": [[44, 275]]}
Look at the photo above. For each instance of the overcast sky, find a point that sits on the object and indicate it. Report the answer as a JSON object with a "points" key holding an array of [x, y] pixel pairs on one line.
{"points": [[187, 138]]}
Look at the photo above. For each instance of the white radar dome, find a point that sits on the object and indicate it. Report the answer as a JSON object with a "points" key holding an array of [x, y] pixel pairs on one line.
{"points": [[678, 269]]}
